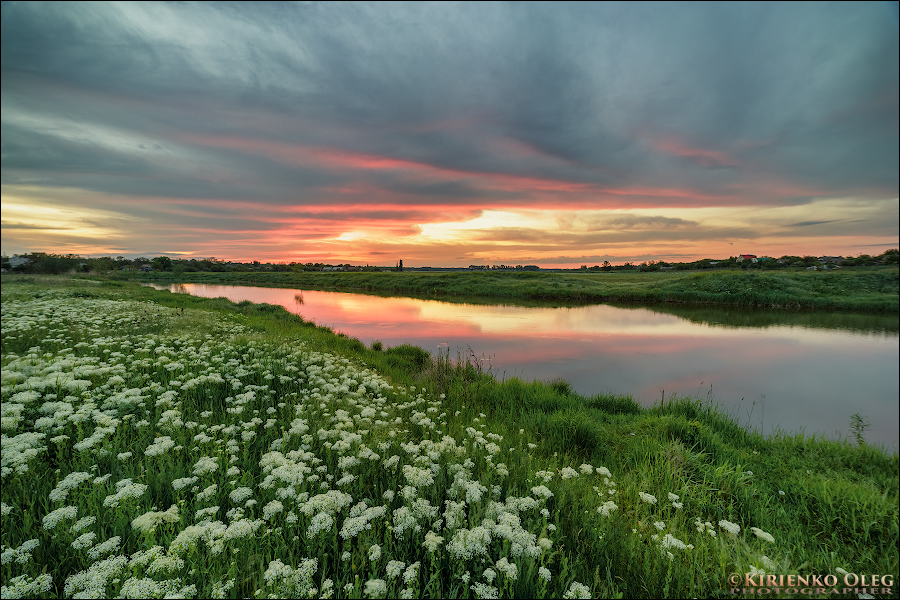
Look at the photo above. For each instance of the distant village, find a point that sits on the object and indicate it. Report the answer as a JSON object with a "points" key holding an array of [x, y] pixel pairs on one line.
{"points": [[40, 262]]}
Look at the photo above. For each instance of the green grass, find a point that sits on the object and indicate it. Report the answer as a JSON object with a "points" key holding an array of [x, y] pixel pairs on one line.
{"points": [[869, 290], [828, 504]]}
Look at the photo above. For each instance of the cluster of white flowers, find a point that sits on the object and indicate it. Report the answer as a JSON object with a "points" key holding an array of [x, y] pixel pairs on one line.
{"points": [[68, 483], [150, 520], [52, 519], [568, 473], [705, 527], [24, 586], [206, 465], [762, 534], [160, 446], [375, 588], [607, 508], [648, 498], [108, 547], [732, 528], [126, 490], [577, 590], [85, 540], [669, 541], [22, 554], [433, 541], [467, 544], [510, 570]]}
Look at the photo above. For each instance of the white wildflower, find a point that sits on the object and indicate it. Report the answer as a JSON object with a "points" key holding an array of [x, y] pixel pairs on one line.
{"points": [[149, 521], [108, 547], [82, 523], [433, 541], [762, 534], [578, 590], [648, 498], [542, 492], [482, 590], [375, 588], [394, 568], [507, 568], [240, 494], [732, 528], [52, 520], [607, 507], [374, 552]]}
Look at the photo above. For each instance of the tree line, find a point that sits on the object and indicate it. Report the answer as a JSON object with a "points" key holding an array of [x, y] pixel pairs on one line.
{"points": [[47, 263]]}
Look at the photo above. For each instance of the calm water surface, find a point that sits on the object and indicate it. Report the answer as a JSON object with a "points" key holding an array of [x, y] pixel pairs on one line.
{"points": [[796, 372]]}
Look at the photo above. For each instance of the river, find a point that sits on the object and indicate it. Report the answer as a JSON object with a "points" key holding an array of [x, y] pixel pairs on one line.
{"points": [[769, 369]]}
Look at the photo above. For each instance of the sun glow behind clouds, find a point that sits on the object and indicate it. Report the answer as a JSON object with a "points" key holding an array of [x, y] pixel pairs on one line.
{"points": [[461, 231], [49, 219]]}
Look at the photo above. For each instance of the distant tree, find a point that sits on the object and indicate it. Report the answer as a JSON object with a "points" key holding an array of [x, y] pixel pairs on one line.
{"points": [[162, 263]]}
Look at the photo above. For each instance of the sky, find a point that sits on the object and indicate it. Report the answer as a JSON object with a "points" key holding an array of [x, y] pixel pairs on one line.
{"points": [[446, 134]]}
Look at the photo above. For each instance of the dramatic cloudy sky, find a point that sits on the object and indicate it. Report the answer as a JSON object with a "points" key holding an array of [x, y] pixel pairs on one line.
{"points": [[450, 134]]}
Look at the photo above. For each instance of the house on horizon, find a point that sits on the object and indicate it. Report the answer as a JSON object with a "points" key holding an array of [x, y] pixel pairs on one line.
{"points": [[750, 257], [16, 261]]}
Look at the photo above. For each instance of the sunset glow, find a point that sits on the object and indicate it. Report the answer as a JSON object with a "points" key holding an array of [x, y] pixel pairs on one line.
{"points": [[556, 135]]}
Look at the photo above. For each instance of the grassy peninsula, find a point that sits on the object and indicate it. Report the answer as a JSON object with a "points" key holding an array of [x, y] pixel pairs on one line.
{"points": [[868, 290], [164, 444]]}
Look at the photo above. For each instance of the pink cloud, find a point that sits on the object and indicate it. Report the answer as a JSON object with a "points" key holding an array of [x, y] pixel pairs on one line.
{"points": [[670, 144]]}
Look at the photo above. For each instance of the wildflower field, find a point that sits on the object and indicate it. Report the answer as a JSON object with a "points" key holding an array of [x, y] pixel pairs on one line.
{"points": [[162, 445]]}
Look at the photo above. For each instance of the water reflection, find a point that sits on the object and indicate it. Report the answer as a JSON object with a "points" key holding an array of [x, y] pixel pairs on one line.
{"points": [[744, 317], [796, 371]]}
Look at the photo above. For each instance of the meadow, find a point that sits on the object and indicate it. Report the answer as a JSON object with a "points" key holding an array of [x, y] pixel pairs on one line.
{"points": [[165, 445], [862, 289]]}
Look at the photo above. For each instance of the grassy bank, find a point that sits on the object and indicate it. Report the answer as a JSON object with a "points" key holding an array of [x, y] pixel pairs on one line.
{"points": [[870, 290], [158, 443]]}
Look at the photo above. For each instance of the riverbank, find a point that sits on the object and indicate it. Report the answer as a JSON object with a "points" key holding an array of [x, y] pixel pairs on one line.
{"points": [[318, 462], [869, 290]]}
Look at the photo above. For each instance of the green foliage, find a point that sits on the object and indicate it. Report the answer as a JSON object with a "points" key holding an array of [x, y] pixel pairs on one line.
{"points": [[859, 424]]}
